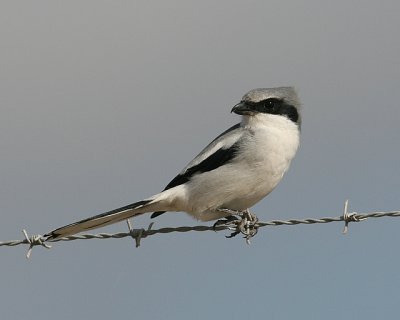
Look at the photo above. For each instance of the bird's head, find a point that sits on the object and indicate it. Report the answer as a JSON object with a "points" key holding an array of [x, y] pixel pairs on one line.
{"points": [[282, 101]]}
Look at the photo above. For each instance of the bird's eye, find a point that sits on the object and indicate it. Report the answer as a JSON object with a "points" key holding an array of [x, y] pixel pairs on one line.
{"points": [[271, 105]]}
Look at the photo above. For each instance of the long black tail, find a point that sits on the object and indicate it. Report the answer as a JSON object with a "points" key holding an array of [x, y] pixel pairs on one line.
{"points": [[102, 219]]}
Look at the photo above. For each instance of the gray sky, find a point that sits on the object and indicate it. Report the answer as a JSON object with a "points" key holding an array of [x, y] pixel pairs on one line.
{"points": [[103, 102]]}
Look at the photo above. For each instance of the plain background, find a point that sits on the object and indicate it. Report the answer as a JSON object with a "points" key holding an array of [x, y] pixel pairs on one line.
{"points": [[103, 102]]}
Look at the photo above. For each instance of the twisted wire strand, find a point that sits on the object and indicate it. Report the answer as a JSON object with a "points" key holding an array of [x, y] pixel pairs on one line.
{"points": [[139, 234]]}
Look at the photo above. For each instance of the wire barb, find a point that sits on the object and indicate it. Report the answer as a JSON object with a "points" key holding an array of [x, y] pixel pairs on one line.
{"points": [[138, 234], [35, 240], [350, 217], [135, 234]]}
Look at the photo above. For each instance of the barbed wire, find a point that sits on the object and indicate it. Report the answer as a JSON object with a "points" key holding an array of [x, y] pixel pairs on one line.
{"points": [[248, 228]]}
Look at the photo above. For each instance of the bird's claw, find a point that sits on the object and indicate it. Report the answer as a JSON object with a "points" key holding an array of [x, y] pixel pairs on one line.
{"points": [[225, 221], [243, 222]]}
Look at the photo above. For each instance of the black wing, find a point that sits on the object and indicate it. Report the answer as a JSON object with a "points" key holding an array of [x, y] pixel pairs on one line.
{"points": [[212, 162]]}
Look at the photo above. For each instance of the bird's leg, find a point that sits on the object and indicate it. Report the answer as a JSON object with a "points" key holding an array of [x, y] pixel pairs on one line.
{"points": [[247, 224]]}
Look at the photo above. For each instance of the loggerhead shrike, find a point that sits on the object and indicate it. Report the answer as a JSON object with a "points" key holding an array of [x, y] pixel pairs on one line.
{"points": [[235, 171]]}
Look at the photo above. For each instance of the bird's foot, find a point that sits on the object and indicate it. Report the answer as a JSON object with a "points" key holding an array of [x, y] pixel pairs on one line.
{"points": [[243, 222], [225, 222]]}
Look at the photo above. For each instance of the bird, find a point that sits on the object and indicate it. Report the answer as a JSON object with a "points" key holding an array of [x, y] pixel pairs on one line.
{"points": [[236, 170]]}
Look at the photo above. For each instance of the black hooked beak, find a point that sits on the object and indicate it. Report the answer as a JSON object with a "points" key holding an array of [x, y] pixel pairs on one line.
{"points": [[243, 109]]}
